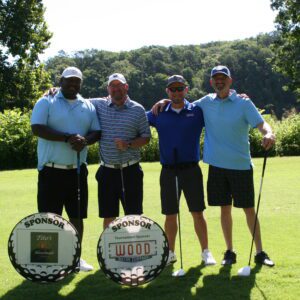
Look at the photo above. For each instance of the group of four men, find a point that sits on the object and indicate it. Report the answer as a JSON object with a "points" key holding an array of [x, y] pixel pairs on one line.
{"points": [[66, 123]]}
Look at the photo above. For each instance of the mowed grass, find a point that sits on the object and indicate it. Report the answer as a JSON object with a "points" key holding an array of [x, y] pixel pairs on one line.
{"points": [[279, 217]]}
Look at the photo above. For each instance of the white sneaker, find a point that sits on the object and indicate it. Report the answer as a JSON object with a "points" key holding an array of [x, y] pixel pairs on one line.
{"points": [[84, 266], [208, 258], [172, 258]]}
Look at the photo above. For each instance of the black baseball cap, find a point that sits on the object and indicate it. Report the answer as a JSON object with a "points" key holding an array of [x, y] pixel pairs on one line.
{"points": [[176, 78]]}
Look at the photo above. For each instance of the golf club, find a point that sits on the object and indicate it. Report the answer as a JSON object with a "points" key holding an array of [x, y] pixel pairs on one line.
{"points": [[245, 271], [78, 199], [179, 272], [122, 183]]}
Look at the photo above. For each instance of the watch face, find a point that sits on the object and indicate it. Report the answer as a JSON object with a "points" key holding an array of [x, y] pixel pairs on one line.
{"points": [[132, 250]]}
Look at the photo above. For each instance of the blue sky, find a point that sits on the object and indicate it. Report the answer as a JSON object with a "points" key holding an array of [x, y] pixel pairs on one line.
{"points": [[117, 25]]}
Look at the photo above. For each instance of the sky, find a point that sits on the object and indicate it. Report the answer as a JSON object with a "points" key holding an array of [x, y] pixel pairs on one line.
{"points": [[118, 25]]}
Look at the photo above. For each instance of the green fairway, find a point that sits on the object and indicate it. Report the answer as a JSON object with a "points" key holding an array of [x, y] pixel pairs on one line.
{"points": [[279, 216]]}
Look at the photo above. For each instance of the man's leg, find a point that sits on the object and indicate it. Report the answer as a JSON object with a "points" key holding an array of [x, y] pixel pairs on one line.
{"points": [[200, 229], [171, 230], [226, 223], [250, 216]]}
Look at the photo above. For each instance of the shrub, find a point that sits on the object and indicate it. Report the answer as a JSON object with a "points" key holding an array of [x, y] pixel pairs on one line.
{"points": [[17, 143], [288, 135]]}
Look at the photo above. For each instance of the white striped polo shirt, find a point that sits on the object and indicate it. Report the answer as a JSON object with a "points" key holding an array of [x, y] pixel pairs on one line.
{"points": [[126, 122]]}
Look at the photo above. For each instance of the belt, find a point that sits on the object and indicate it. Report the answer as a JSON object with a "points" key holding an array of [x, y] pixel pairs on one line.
{"points": [[119, 166], [65, 167], [181, 166]]}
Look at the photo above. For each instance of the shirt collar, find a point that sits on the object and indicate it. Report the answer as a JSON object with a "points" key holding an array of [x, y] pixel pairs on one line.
{"points": [[78, 96], [126, 103], [232, 96], [187, 106]]}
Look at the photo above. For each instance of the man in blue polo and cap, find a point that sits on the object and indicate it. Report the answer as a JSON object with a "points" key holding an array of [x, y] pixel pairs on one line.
{"points": [[65, 124]]}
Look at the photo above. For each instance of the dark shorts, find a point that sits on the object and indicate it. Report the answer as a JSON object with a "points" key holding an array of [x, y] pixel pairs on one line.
{"points": [[110, 191], [190, 181], [225, 186], [57, 188]]}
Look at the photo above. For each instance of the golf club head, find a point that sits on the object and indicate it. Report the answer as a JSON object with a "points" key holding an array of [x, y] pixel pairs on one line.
{"points": [[178, 273], [245, 271]]}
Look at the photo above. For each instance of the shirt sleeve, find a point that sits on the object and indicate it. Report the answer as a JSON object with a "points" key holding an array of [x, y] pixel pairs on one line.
{"points": [[151, 118], [40, 112], [144, 129], [252, 115], [95, 126]]}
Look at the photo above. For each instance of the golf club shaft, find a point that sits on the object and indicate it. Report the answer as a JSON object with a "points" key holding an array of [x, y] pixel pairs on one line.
{"points": [[257, 208], [178, 205], [78, 185], [122, 183]]}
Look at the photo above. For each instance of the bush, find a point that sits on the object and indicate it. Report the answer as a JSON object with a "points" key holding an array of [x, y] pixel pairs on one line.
{"points": [[288, 136], [17, 143]]}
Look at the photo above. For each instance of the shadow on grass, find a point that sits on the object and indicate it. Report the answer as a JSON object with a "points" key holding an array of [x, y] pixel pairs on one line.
{"points": [[97, 286]]}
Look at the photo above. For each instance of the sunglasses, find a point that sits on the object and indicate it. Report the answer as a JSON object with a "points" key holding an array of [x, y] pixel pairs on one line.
{"points": [[177, 88]]}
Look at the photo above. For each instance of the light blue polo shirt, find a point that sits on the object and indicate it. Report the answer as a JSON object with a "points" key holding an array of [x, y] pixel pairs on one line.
{"points": [[227, 125], [78, 117]]}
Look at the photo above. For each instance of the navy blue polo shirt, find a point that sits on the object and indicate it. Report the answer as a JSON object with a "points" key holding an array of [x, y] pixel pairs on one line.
{"points": [[179, 131]]}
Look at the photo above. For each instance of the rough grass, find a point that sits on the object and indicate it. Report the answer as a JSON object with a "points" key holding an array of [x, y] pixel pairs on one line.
{"points": [[279, 216]]}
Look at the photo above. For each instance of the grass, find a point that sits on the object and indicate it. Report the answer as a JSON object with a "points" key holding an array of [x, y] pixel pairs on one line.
{"points": [[279, 216]]}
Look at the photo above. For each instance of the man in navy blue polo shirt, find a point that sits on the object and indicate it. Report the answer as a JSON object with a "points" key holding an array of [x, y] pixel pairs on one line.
{"points": [[179, 128], [65, 124]]}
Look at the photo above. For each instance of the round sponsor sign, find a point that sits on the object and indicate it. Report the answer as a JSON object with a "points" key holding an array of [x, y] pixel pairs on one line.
{"points": [[44, 247], [132, 250]]}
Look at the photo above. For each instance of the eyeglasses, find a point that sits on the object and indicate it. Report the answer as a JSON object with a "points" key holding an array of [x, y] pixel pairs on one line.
{"points": [[177, 88]]}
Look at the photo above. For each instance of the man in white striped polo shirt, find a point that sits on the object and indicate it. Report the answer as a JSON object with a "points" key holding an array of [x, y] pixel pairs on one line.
{"points": [[125, 130]]}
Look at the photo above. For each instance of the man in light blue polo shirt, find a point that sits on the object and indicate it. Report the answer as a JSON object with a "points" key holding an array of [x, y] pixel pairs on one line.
{"points": [[228, 118], [65, 124]]}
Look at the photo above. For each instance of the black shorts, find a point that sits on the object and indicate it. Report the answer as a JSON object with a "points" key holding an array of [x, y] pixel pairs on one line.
{"points": [[110, 191], [226, 185], [190, 181], [57, 188]]}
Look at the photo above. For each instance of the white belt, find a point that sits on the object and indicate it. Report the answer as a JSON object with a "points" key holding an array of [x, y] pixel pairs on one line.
{"points": [[119, 166], [65, 167]]}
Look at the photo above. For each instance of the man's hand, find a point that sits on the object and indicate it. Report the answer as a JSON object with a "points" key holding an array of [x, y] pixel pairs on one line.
{"points": [[51, 92], [268, 141], [77, 142], [121, 145], [244, 96], [159, 106]]}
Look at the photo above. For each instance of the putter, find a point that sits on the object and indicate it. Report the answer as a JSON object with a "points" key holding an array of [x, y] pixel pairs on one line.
{"points": [[245, 271], [78, 198], [179, 272], [122, 183]]}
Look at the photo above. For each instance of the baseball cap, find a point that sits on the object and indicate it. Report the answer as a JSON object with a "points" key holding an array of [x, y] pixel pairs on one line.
{"points": [[116, 76], [71, 72], [220, 70], [176, 78]]}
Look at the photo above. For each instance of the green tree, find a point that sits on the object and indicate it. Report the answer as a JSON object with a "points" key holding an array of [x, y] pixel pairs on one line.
{"points": [[23, 36], [287, 45]]}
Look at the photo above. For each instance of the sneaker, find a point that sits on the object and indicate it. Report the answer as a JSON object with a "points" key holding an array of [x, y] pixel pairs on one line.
{"points": [[263, 258], [208, 258], [229, 258], [172, 258], [84, 266]]}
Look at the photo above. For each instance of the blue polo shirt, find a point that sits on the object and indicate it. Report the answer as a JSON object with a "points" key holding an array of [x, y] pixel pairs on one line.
{"points": [[179, 131], [227, 124], [76, 117]]}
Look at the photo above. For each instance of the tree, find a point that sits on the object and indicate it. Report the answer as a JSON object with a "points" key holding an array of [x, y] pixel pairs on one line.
{"points": [[287, 45], [23, 36]]}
